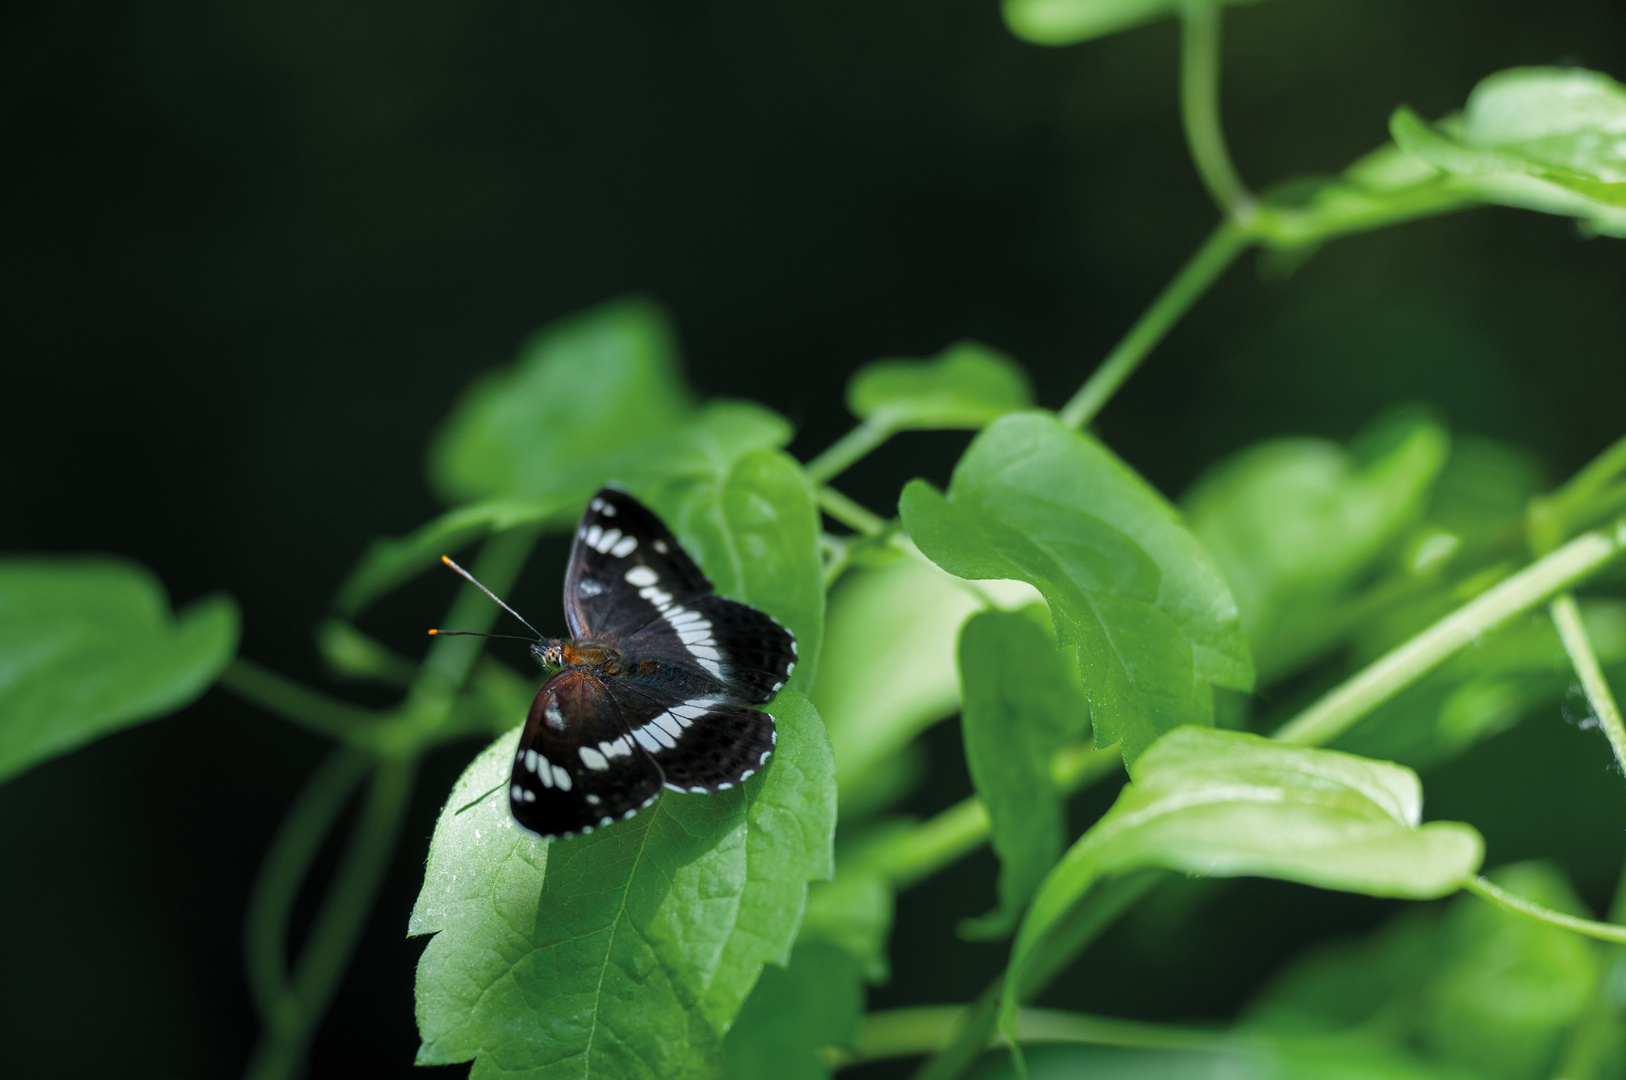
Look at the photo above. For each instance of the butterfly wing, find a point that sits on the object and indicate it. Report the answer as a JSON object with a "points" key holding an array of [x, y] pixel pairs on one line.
{"points": [[577, 767], [745, 650], [705, 742], [625, 563]]}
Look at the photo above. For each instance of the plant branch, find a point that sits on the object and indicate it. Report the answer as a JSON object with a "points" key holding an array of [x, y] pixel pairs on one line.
{"points": [[1200, 109], [308, 708], [1518, 905], [849, 513], [1221, 248], [265, 939], [1388, 675], [842, 453], [338, 925], [1572, 632]]}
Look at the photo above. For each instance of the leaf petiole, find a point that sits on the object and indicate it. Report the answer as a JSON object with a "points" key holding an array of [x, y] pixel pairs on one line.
{"points": [[1200, 109], [1572, 632], [1518, 905]]}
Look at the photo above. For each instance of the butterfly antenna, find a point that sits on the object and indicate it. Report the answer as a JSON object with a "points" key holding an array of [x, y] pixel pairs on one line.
{"points": [[447, 560]]}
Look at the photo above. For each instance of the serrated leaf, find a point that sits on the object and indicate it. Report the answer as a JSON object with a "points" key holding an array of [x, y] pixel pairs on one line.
{"points": [[966, 386], [1547, 139], [1021, 702], [590, 385], [706, 445], [627, 953], [1294, 524], [1128, 587], [1228, 804], [754, 529], [88, 646], [888, 669], [1063, 22], [794, 1014]]}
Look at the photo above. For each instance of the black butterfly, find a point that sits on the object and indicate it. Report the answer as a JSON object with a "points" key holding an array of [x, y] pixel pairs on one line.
{"points": [[655, 681]]}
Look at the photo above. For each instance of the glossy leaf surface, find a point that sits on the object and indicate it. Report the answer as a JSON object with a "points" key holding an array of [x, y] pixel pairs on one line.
{"points": [[967, 386]]}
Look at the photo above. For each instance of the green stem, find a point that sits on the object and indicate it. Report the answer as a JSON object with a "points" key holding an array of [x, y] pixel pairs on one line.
{"points": [[297, 841], [849, 448], [1200, 109], [1572, 632], [927, 1029], [288, 699], [1518, 905], [298, 1010], [849, 513], [1387, 676], [1204, 268]]}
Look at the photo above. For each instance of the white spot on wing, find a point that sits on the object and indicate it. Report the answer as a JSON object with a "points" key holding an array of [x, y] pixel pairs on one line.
{"points": [[607, 540], [530, 796], [624, 547], [608, 509], [593, 536], [669, 724], [516, 792], [655, 596], [660, 546], [641, 576], [561, 778], [646, 740], [589, 587], [597, 504], [593, 800], [592, 758], [530, 760], [617, 748]]}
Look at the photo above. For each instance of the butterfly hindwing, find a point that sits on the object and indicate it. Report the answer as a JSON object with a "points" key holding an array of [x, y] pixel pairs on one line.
{"points": [[705, 744], [624, 564], [576, 767]]}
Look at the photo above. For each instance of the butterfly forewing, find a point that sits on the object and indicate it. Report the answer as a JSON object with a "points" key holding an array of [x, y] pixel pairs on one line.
{"points": [[623, 566], [577, 766]]}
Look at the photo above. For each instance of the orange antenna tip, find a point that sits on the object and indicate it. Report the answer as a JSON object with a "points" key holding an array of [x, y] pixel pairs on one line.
{"points": [[432, 633], [447, 559]]}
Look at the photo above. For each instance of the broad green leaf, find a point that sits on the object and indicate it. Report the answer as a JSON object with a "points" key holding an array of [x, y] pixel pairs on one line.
{"points": [[1543, 138], [888, 669], [627, 953], [1063, 22], [590, 385], [1294, 524], [88, 646], [1021, 703], [1485, 689], [1129, 588], [706, 445], [794, 1014], [1472, 987], [754, 529], [1229, 804], [967, 386], [853, 910]]}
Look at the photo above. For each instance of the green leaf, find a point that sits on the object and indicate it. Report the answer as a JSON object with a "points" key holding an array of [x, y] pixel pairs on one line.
{"points": [[1472, 987], [627, 953], [705, 446], [1386, 187], [1546, 139], [793, 1014], [754, 529], [888, 669], [587, 386], [1063, 22], [1227, 804], [853, 910], [1129, 588], [88, 646], [1022, 703], [1295, 524], [967, 386]]}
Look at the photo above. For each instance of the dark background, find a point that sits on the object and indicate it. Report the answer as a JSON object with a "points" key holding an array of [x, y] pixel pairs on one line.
{"points": [[249, 254]]}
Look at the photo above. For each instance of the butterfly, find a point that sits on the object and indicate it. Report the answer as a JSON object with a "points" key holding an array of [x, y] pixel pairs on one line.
{"points": [[653, 688]]}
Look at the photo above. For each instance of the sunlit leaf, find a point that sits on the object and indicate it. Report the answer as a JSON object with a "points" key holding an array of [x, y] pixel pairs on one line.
{"points": [[967, 386], [793, 1015], [1295, 523], [705, 446], [1128, 587], [1227, 804], [589, 385], [1547, 139], [1022, 702], [627, 953], [88, 646], [888, 669], [1062, 22], [1386, 187]]}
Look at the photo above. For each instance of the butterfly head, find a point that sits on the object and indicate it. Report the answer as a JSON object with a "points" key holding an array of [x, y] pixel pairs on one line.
{"points": [[550, 654]]}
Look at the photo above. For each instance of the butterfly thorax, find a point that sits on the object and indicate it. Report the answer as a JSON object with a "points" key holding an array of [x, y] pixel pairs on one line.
{"points": [[590, 656]]}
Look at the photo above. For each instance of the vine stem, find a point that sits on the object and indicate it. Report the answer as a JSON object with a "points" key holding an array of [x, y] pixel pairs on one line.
{"points": [[1572, 632], [926, 1029], [841, 454], [1217, 253], [1518, 905], [1379, 681], [851, 514], [324, 715], [1200, 109]]}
